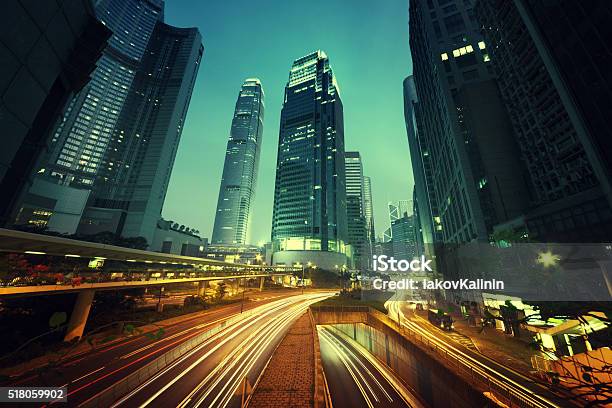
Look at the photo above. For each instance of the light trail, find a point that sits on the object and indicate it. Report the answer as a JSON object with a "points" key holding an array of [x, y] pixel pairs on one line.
{"points": [[349, 367], [155, 343], [176, 342], [474, 364], [258, 342], [407, 395], [255, 344], [191, 353]]}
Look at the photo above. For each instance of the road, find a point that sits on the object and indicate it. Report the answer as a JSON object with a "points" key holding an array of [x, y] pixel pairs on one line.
{"points": [[210, 374], [89, 373], [501, 378], [355, 380]]}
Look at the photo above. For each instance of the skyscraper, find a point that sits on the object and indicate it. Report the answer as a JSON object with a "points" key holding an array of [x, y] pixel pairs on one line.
{"points": [[424, 192], [403, 241], [309, 216], [355, 208], [42, 68], [240, 168], [368, 208], [553, 64], [477, 179], [130, 186], [399, 209], [82, 137], [66, 174]]}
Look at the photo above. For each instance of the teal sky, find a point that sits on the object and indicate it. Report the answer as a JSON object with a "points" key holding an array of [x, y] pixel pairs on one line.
{"points": [[367, 44]]}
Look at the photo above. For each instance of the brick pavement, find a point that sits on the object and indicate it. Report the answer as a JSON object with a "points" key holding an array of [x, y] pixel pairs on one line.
{"points": [[289, 378]]}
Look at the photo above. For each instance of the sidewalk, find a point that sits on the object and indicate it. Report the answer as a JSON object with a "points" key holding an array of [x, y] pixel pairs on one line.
{"points": [[493, 343], [288, 380]]}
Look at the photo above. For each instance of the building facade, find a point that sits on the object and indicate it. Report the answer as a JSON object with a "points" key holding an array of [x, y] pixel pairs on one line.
{"points": [[403, 241], [552, 62], [173, 238], [355, 209], [131, 185], [81, 138], [309, 211], [477, 182], [239, 179], [42, 68]]}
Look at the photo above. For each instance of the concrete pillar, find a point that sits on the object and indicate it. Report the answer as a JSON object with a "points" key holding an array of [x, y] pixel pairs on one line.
{"points": [[80, 312], [261, 283], [202, 286], [160, 303]]}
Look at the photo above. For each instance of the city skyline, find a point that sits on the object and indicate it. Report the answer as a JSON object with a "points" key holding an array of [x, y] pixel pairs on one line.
{"points": [[487, 166], [205, 135]]}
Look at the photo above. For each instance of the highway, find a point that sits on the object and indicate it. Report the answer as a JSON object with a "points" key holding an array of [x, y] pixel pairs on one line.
{"points": [[210, 374], [523, 389], [356, 379], [87, 374]]}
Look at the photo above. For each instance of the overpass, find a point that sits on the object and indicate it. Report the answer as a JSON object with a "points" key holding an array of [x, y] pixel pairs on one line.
{"points": [[36, 264]]}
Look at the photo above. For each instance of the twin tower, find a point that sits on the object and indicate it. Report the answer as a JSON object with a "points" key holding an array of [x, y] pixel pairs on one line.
{"points": [[309, 216]]}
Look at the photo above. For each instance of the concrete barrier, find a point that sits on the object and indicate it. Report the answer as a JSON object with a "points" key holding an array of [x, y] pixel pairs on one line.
{"points": [[322, 397]]}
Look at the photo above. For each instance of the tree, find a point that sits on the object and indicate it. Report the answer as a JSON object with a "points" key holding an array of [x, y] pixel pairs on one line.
{"points": [[221, 290]]}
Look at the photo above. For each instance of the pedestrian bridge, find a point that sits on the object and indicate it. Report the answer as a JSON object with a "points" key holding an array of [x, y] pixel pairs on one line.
{"points": [[35, 264], [40, 264]]}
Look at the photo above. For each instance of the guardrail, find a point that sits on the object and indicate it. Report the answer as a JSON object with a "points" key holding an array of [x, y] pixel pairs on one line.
{"points": [[129, 383], [322, 396]]}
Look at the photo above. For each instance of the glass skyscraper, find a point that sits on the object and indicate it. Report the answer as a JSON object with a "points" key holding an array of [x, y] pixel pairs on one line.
{"points": [[310, 195], [560, 104], [131, 184], [81, 139], [355, 208], [66, 172], [38, 82], [368, 208], [240, 169]]}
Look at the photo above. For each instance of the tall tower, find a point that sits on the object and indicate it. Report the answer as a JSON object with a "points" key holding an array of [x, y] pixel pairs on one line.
{"points": [[131, 185], [310, 194], [240, 168], [87, 128], [424, 194], [476, 182], [355, 208], [66, 172], [368, 208]]}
